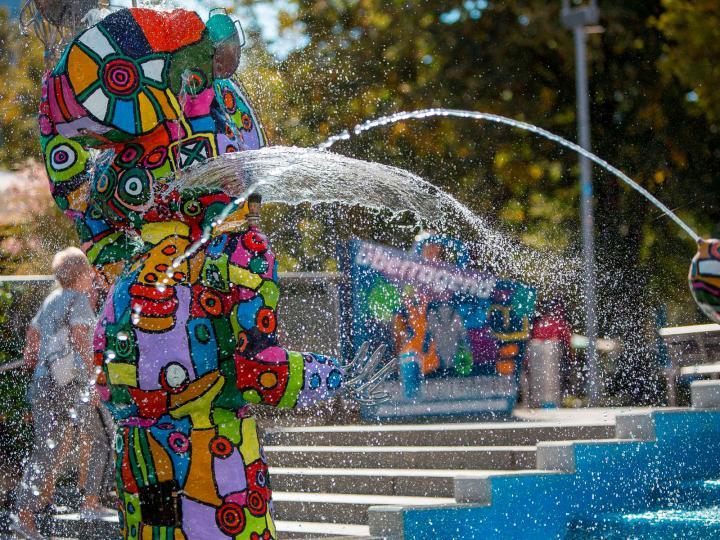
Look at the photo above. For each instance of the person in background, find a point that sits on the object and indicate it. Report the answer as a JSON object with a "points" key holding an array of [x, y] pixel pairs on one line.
{"points": [[59, 351], [549, 353], [96, 466]]}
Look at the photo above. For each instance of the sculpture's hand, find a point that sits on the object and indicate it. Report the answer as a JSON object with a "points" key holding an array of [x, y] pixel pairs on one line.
{"points": [[364, 373]]}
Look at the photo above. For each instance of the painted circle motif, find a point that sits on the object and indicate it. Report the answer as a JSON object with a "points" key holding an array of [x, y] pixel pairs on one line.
{"points": [[268, 380], [242, 341], [266, 321], [254, 241], [192, 208], [230, 518], [121, 77], [334, 379], [211, 303], [229, 101], [715, 249], [64, 158], [105, 183], [261, 478], [130, 155], [704, 278], [246, 122], [202, 333], [121, 517], [256, 503], [125, 344], [174, 377], [221, 447], [195, 81], [179, 442], [134, 188], [156, 158]]}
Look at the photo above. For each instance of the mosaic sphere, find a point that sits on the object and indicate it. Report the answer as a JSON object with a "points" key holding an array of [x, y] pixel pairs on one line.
{"points": [[704, 278]]}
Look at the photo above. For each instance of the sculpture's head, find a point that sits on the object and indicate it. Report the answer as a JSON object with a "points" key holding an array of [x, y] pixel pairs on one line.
{"points": [[705, 278], [135, 71], [154, 88]]}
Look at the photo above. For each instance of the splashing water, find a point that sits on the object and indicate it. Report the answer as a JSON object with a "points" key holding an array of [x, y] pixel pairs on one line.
{"points": [[431, 113], [295, 176]]}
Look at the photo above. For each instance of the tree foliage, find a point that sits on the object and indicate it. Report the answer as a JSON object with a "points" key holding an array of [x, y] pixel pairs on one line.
{"points": [[693, 31], [21, 68], [362, 59], [367, 58]]}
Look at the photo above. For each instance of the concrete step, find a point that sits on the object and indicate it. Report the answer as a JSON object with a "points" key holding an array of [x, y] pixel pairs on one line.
{"points": [[67, 526], [408, 482], [292, 530], [465, 434], [70, 526], [340, 507], [405, 457]]}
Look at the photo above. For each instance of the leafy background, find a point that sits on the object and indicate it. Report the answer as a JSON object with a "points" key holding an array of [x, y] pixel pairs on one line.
{"points": [[655, 109]]}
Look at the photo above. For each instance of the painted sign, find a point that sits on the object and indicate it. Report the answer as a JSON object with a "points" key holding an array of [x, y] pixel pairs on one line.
{"points": [[459, 334]]}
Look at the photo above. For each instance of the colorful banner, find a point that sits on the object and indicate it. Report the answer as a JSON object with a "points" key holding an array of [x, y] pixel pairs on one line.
{"points": [[443, 321]]}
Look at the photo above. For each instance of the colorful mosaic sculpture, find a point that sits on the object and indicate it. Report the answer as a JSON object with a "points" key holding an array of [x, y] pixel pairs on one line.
{"points": [[185, 344], [705, 278]]}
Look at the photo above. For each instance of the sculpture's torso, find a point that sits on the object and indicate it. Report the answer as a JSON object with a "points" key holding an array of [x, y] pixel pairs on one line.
{"points": [[177, 372], [187, 338]]}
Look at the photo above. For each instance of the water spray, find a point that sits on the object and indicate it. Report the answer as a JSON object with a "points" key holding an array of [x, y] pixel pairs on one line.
{"points": [[704, 275], [498, 119]]}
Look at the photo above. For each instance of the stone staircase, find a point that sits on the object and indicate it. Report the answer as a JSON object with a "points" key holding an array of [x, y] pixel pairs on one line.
{"points": [[326, 477]]}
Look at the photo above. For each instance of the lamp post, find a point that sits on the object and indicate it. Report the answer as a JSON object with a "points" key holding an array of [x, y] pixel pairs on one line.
{"points": [[578, 19]]}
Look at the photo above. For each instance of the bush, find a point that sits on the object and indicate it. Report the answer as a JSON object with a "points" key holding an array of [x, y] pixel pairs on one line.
{"points": [[19, 301]]}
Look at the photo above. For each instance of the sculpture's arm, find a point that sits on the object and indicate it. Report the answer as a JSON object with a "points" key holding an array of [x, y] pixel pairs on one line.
{"points": [[287, 379], [69, 169], [267, 373]]}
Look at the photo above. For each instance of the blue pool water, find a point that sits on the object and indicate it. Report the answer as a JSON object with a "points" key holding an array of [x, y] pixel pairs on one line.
{"points": [[659, 480], [685, 510]]}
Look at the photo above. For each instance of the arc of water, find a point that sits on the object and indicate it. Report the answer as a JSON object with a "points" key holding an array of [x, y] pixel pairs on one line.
{"points": [[498, 119]]}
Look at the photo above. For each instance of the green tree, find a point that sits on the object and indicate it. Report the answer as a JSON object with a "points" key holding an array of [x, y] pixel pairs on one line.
{"points": [[366, 58], [21, 68], [693, 31]]}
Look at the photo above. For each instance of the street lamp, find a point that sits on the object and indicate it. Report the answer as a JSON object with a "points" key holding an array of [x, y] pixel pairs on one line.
{"points": [[578, 19]]}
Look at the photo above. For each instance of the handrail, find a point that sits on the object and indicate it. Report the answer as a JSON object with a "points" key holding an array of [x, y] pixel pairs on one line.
{"points": [[10, 366], [689, 330], [38, 277]]}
